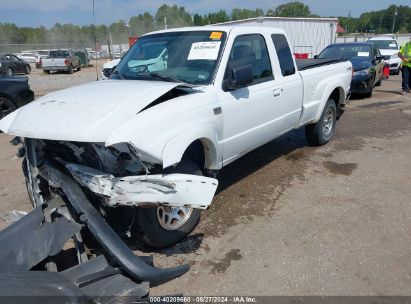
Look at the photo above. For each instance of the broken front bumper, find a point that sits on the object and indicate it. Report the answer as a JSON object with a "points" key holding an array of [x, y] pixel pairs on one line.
{"points": [[177, 190]]}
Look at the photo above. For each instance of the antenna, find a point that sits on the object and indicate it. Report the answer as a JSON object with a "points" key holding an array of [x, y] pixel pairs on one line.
{"points": [[95, 38]]}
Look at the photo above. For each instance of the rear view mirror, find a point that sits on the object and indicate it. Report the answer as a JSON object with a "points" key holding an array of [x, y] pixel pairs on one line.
{"points": [[240, 77]]}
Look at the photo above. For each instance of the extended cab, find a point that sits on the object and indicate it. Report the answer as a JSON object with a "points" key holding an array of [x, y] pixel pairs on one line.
{"points": [[61, 60], [155, 135]]}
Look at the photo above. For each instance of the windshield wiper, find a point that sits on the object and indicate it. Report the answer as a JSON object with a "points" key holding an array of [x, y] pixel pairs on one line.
{"points": [[165, 78]]}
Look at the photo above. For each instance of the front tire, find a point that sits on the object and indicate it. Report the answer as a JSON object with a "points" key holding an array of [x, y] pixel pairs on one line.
{"points": [[10, 72], [28, 69], [320, 133], [164, 226]]}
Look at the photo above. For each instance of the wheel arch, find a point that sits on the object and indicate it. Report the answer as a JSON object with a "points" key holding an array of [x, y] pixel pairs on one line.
{"points": [[202, 149]]}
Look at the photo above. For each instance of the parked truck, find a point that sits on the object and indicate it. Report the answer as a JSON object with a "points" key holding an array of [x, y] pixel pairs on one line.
{"points": [[152, 141], [61, 60]]}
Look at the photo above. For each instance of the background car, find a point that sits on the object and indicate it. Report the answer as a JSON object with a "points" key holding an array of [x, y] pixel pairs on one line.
{"points": [[40, 55], [389, 48], [11, 64], [367, 62], [14, 93], [28, 57]]}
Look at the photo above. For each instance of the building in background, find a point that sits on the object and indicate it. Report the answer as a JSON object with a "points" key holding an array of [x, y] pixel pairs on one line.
{"points": [[306, 35]]}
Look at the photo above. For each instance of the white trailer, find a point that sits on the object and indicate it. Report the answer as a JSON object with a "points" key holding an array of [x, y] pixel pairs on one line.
{"points": [[306, 35]]}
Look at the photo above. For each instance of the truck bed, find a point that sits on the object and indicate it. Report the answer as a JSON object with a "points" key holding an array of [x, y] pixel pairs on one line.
{"points": [[305, 64]]}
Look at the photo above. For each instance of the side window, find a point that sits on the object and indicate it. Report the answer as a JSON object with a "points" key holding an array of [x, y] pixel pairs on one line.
{"points": [[251, 50], [284, 54]]}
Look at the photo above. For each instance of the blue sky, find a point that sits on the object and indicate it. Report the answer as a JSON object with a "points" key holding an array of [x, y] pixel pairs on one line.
{"points": [[48, 12]]}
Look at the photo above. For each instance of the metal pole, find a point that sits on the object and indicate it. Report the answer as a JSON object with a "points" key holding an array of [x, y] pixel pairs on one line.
{"points": [[393, 22], [165, 23], [379, 31]]}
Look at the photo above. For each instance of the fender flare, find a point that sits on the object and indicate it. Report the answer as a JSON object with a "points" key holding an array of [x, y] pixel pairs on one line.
{"points": [[174, 149], [330, 89]]}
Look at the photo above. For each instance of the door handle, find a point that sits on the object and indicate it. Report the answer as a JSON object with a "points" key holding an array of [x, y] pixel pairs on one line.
{"points": [[277, 92]]}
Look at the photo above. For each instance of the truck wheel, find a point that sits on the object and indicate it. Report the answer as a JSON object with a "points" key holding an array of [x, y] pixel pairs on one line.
{"points": [[164, 226], [70, 71], [10, 72], [46, 71], [320, 133], [28, 69], [79, 68]]}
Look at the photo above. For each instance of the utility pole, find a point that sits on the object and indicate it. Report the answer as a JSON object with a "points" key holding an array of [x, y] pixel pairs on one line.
{"points": [[393, 22], [379, 30], [348, 26], [165, 23]]}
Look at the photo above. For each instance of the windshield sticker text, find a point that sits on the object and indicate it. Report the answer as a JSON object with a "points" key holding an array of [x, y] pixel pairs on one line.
{"points": [[204, 50]]}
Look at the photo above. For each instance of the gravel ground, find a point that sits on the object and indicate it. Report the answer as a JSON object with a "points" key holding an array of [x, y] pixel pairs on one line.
{"points": [[290, 219]]}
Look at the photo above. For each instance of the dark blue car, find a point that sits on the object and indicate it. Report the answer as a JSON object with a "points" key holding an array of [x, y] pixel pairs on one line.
{"points": [[367, 62], [14, 93]]}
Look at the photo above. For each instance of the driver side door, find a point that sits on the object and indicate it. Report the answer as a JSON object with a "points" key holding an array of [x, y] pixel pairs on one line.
{"points": [[249, 118]]}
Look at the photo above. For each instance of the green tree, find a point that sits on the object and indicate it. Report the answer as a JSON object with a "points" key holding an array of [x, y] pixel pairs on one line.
{"points": [[239, 14], [176, 16], [292, 9]]}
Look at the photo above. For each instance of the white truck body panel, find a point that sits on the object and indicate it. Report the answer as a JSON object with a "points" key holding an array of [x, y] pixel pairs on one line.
{"points": [[229, 124]]}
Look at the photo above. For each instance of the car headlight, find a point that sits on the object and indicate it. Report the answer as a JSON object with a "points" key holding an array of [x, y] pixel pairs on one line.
{"points": [[394, 56], [362, 72]]}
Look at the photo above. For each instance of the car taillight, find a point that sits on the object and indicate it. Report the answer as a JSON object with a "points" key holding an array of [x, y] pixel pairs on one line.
{"points": [[65, 61]]}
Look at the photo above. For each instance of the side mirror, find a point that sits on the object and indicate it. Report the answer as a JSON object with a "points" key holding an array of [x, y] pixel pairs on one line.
{"points": [[240, 77], [379, 58], [315, 56]]}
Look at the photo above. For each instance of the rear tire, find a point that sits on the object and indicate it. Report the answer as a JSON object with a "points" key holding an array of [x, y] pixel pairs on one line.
{"points": [[71, 71], [10, 72], [320, 133], [152, 224], [28, 70], [79, 68], [46, 71]]}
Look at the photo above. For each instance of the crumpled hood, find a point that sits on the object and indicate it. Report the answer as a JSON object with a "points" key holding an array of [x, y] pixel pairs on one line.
{"points": [[87, 113]]}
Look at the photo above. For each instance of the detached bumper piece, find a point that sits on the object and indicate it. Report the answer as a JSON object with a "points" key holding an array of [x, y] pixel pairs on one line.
{"points": [[117, 276], [177, 190]]}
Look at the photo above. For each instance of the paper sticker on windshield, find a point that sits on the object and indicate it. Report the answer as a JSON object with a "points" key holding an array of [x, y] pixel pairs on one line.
{"points": [[392, 45], [207, 50], [363, 54], [216, 35]]}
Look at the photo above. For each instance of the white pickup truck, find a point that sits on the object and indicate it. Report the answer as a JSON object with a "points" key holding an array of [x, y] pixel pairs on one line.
{"points": [[155, 140], [61, 60]]}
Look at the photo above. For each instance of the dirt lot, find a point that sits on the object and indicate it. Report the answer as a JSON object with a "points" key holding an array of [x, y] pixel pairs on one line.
{"points": [[290, 219]]}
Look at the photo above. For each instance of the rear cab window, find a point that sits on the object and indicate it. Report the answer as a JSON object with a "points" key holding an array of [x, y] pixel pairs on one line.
{"points": [[284, 54]]}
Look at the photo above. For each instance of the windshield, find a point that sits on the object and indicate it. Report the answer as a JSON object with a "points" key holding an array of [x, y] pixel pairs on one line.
{"points": [[59, 54], [43, 52], [189, 57], [349, 51], [385, 44]]}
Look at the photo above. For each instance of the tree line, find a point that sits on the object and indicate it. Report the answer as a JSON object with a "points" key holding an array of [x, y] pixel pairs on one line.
{"points": [[177, 16]]}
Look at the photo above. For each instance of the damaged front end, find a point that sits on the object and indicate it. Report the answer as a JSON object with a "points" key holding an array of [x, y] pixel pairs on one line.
{"points": [[116, 176], [70, 183]]}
